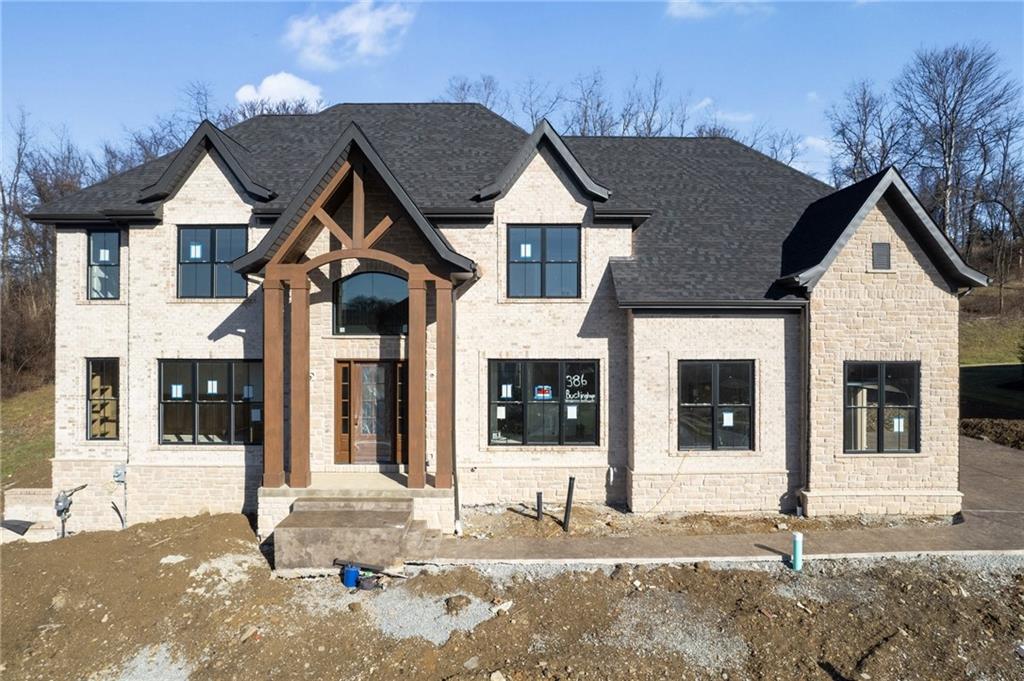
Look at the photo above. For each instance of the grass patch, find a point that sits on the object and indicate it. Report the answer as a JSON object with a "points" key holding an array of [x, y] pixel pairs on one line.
{"points": [[26, 437], [989, 340]]}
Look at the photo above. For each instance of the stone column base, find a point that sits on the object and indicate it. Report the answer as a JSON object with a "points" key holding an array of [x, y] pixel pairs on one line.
{"points": [[939, 502]]}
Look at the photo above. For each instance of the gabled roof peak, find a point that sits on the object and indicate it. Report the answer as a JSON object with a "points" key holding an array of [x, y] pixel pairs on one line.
{"points": [[829, 223], [207, 137], [543, 133]]}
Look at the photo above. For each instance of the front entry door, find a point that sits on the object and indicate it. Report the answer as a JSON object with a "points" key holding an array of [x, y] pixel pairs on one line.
{"points": [[368, 412]]}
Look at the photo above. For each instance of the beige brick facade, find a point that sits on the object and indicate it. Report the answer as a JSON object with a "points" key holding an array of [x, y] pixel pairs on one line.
{"points": [[910, 313], [662, 477]]}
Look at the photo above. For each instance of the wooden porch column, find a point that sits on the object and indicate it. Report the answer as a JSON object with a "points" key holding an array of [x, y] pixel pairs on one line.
{"points": [[273, 383], [298, 473], [445, 369], [417, 369]]}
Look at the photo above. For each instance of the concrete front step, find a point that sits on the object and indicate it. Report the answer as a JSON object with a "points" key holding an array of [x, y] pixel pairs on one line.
{"points": [[397, 504], [34, 505], [316, 538]]}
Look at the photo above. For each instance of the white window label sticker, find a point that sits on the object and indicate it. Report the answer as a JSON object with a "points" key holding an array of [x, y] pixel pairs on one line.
{"points": [[500, 413], [525, 250], [570, 412], [506, 391], [898, 424], [247, 392], [211, 387], [195, 250], [727, 419], [255, 415], [177, 391], [104, 255]]}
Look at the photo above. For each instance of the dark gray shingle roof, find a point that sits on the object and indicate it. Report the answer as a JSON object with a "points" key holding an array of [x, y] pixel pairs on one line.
{"points": [[720, 214]]}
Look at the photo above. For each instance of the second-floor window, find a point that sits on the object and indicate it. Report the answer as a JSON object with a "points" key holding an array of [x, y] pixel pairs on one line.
{"points": [[544, 261], [204, 262], [104, 265]]}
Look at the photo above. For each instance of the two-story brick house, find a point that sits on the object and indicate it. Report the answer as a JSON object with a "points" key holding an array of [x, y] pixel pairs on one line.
{"points": [[426, 297]]}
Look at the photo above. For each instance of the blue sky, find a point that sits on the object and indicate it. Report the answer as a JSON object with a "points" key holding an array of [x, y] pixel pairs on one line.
{"points": [[99, 69]]}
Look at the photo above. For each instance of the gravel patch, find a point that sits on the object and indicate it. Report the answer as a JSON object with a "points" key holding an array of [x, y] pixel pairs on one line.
{"points": [[401, 614], [656, 622], [151, 662], [216, 577]]}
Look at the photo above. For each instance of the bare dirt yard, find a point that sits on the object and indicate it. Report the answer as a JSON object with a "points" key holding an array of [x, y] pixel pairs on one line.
{"points": [[195, 599], [597, 520]]}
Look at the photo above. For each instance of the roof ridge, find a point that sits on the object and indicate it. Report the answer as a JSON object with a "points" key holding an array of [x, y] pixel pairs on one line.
{"points": [[778, 162]]}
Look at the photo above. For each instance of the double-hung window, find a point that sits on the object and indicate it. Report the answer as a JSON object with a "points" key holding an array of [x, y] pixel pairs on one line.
{"points": [[204, 262], [544, 262], [211, 402], [716, 404], [102, 398], [104, 265], [881, 405], [543, 402]]}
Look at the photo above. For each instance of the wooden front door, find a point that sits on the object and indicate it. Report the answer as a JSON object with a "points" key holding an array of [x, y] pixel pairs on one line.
{"points": [[369, 406]]}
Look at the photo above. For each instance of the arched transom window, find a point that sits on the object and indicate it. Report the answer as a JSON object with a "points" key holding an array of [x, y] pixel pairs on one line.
{"points": [[371, 303]]}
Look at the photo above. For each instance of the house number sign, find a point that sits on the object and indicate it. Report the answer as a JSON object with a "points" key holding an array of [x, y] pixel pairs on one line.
{"points": [[577, 389]]}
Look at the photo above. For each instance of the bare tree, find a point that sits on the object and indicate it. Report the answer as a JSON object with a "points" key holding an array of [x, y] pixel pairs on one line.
{"points": [[950, 97], [484, 90], [590, 109], [869, 133], [537, 100], [645, 110]]}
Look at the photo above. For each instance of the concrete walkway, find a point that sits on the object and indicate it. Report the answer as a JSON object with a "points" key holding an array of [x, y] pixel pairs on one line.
{"points": [[991, 478]]}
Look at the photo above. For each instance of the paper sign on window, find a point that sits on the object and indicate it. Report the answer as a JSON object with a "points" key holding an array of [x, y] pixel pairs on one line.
{"points": [[104, 255], [247, 392], [897, 424], [727, 419], [255, 415], [525, 250], [195, 250], [570, 412], [211, 387], [506, 391], [177, 391], [500, 413]]}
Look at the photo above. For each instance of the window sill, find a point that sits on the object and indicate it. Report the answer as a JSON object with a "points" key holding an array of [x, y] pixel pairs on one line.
{"points": [[101, 301], [538, 449], [542, 301], [363, 336], [854, 456], [207, 301], [889, 271], [712, 453]]}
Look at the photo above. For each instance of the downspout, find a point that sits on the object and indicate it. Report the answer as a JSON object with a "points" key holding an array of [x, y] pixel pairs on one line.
{"points": [[805, 315], [459, 278]]}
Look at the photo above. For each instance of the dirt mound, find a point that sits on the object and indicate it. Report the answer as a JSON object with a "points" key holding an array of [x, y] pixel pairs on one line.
{"points": [[193, 599]]}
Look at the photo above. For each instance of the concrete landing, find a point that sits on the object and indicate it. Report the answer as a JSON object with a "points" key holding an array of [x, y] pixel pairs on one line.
{"points": [[363, 530]]}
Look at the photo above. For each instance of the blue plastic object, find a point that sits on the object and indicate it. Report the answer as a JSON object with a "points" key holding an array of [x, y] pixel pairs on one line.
{"points": [[350, 577]]}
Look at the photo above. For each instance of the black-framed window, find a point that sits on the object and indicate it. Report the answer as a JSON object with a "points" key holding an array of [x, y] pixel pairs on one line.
{"points": [[104, 265], [102, 400], [204, 262], [544, 261], [543, 402], [211, 402], [881, 405], [716, 404], [374, 303], [881, 255]]}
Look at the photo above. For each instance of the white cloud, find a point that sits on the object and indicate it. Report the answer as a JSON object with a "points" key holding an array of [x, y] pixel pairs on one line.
{"points": [[359, 31], [695, 10], [813, 96], [279, 87], [817, 145], [735, 116], [687, 9], [702, 104]]}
